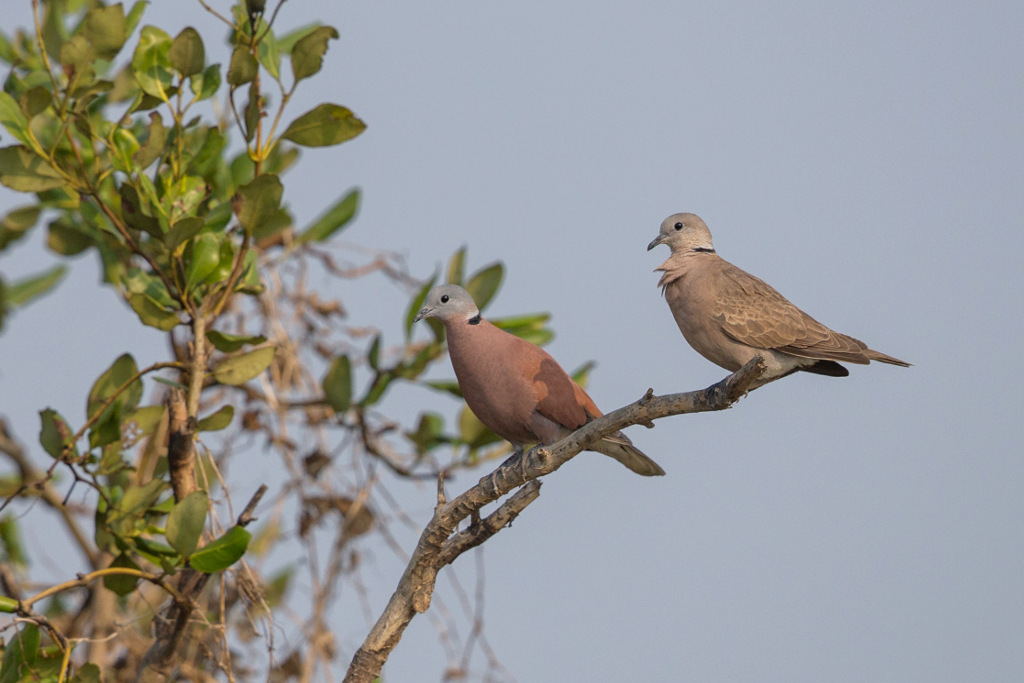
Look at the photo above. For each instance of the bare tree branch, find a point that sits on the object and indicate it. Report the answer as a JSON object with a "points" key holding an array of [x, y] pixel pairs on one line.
{"points": [[171, 625], [181, 456], [438, 546], [32, 478]]}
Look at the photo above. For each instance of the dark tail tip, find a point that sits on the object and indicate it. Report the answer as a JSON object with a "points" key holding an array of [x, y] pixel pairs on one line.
{"points": [[827, 367]]}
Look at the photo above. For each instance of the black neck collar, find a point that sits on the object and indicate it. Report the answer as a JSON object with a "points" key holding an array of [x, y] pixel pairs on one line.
{"points": [[475, 320], [704, 250]]}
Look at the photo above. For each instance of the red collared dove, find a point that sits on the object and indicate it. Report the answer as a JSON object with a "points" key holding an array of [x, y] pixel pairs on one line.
{"points": [[729, 316], [516, 388]]}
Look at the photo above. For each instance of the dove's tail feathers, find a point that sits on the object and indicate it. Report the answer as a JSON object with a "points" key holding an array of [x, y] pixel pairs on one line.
{"points": [[618, 446], [882, 358]]}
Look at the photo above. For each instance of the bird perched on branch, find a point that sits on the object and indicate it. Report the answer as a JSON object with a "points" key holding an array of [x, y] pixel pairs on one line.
{"points": [[516, 388], [729, 316]]}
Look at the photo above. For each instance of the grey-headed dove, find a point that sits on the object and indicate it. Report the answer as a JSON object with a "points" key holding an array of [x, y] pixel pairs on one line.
{"points": [[516, 388], [729, 316]]}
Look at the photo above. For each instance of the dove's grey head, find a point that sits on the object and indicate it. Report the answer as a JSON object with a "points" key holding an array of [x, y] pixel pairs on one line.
{"points": [[683, 232], [448, 303]]}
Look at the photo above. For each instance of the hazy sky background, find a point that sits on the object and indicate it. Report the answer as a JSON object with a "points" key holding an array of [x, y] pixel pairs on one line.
{"points": [[865, 159]]}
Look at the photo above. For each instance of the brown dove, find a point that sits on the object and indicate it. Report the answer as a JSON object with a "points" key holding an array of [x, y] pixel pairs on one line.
{"points": [[516, 388], [729, 316]]}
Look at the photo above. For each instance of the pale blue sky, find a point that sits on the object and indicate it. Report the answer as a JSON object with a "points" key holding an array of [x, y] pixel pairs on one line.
{"points": [[867, 160]]}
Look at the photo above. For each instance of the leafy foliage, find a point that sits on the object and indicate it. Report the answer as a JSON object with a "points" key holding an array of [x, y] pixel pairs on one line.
{"points": [[108, 132]]}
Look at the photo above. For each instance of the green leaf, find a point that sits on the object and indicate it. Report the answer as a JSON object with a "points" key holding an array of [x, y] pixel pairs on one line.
{"points": [[225, 263], [381, 382], [185, 229], [327, 124], [581, 375], [146, 419], [104, 29], [170, 383], [134, 16], [451, 387], [154, 550], [23, 171], [240, 369], [13, 119], [138, 499], [218, 420], [77, 57], [242, 67], [258, 201], [373, 355], [87, 673], [111, 461], [286, 42], [54, 28], [184, 197], [121, 371], [186, 521], [20, 655], [62, 198], [416, 304], [204, 258], [221, 553], [277, 222], [136, 502], [338, 384], [308, 52], [332, 220], [135, 210], [65, 238], [187, 52], [54, 433], [277, 587], [205, 84], [34, 286], [529, 327], [107, 429], [428, 434], [152, 199], [7, 52], [270, 56], [10, 535], [484, 284], [122, 584], [250, 282], [125, 147], [412, 368], [14, 225], [457, 267], [35, 101], [473, 432], [252, 111], [208, 160], [139, 281], [151, 313], [229, 343], [8, 605], [151, 63], [153, 148]]}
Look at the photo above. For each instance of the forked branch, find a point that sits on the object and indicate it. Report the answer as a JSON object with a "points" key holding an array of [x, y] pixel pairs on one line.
{"points": [[440, 544]]}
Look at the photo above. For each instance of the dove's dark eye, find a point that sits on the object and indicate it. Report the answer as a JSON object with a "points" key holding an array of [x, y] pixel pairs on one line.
{"points": [[679, 226], [444, 298]]}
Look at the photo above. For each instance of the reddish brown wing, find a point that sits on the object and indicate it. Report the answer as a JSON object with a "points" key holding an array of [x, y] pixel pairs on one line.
{"points": [[556, 392]]}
